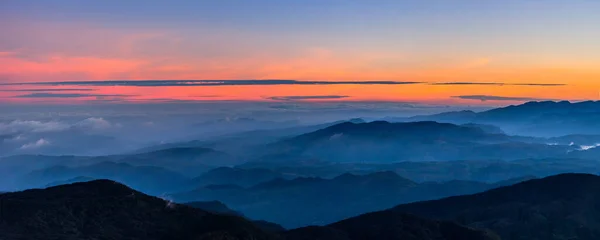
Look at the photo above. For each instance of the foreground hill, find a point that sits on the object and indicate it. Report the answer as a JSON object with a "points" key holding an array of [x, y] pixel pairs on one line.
{"points": [[103, 209], [388, 225], [214, 207], [220, 208], [559, 207]]}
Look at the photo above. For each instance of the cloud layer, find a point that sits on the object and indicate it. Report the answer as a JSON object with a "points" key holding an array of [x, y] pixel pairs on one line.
{"points": [[35, 126], [67, 95], [484, 98], [165, 83], [48, 90], [37, 144], [300, 98], [501, 84], [17, 126]]}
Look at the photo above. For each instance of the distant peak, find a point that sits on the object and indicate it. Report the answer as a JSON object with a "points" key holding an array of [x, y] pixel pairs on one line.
{"points": [[346, 176], [223, 187], [357, 120], [389, 176]]}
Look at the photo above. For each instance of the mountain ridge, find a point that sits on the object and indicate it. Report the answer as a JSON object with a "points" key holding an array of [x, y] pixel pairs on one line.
{"points": [[563, 206]]}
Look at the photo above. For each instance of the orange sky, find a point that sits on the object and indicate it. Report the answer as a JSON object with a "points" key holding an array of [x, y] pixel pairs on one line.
{"points": [[480, 42]]}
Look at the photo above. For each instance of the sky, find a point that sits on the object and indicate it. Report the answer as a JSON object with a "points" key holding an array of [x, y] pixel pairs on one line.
{"points": [[435, 51]]}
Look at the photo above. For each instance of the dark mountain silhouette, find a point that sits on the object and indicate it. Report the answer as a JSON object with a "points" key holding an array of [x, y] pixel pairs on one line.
{"points": [[269, 226], [220, 208], [104, 209], [389, 225], [554, 208], [318, 201]]}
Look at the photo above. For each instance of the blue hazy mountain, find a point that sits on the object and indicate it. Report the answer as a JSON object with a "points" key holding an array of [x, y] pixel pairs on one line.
{"points": [[236, 176], [185, 162], [70, 181], [385, 142], [547, 118], [321, 201], [149, 179]]}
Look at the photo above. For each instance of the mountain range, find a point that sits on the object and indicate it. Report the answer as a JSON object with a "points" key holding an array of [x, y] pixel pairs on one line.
{"points": [[518, 172], [385, 142], [103, 209], [318, 201], [153, 180], [545, 119], [558, 207]]}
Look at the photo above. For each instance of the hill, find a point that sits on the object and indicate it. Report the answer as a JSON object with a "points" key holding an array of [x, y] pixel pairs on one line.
{"points": [[104, 209], [388, 225], [220, 208], [214, 207], [559, 207]]}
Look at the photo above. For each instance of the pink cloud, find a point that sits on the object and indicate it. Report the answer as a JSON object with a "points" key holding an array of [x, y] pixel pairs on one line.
{"points": [[65, 66]]}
